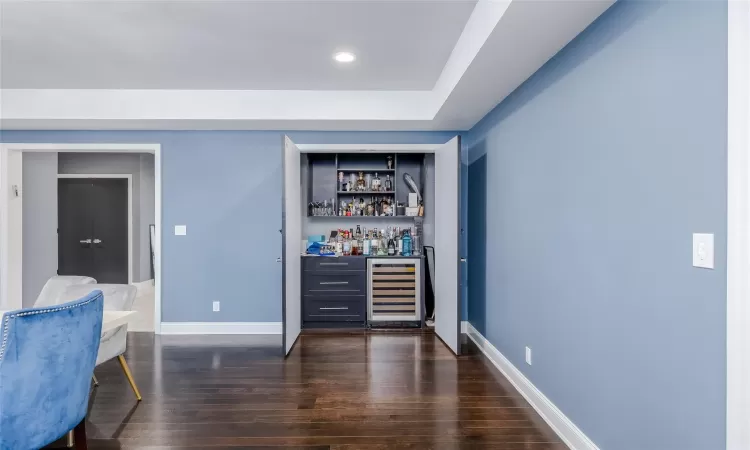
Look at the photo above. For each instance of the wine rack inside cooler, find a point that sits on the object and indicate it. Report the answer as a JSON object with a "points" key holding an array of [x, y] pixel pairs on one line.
{"points": [[394, 289]]}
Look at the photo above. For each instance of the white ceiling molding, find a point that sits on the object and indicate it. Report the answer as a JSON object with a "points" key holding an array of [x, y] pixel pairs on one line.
{"points": [[502, 44]]}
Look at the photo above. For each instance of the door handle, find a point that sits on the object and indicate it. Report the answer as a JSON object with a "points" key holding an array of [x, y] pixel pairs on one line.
{"points": [[97, 241], [278, 260], [85, 242]]}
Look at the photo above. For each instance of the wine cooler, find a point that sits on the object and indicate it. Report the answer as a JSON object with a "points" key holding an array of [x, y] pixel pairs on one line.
{"points": [[394, 290]]}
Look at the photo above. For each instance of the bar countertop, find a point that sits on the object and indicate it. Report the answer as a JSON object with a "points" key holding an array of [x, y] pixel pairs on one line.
{"points": [[366, 257]]}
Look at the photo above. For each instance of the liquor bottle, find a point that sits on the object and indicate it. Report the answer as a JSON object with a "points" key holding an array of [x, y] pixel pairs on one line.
{"points": [[382, 244], [388, 183], [339, 243], [391, 248], [358, 234], [406, 243], [399, 243], [366, 245], [347, 244], [361, 182], [376, 183]]}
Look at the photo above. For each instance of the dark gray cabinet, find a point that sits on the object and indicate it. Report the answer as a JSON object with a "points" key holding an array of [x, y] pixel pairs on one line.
{"points": [[334, 291]]}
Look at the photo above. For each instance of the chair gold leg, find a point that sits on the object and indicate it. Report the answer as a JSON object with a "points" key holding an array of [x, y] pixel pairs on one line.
{"points": [[96, 382], [70, 441], [126, 369]]}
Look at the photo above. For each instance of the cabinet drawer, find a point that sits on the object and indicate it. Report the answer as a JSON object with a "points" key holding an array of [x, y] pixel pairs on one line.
{"points": [[326, 264], [332, 309], [344, 283]]}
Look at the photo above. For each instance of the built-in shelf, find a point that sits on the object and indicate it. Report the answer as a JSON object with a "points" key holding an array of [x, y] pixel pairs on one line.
{"points": [[366, 192], [354, 169], [364, 217]]}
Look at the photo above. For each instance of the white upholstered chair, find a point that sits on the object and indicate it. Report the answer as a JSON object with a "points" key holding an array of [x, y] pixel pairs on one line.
{"points": [[117, 297], [55, 286]]}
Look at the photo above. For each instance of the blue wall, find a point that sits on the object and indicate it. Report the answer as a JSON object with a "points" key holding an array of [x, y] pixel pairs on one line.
{"points": [[597, 171], [226, 187]]}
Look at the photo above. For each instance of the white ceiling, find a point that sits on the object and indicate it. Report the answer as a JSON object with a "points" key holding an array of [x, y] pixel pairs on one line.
{"points": [[250, 64], [281, 45]]}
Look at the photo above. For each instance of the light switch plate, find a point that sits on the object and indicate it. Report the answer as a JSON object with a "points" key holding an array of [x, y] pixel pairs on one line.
{"points": [[180, 230], [703, 250], [217, 307], [528, 355]]}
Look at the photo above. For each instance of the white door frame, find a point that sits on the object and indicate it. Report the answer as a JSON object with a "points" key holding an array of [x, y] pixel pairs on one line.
{"points": [[738, 227], [401, 148], [5, 149], [120, 176]]}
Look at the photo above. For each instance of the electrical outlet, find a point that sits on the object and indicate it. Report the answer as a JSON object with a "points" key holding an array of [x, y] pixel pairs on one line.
{"points": [[216, 306], [528, 356]]}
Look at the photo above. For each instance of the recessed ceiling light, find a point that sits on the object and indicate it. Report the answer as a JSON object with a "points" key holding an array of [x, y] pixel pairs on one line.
{"points": [[344, 57]]}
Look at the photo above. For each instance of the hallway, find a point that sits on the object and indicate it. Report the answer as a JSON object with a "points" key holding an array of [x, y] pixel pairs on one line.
{"points": [[395, 390]]}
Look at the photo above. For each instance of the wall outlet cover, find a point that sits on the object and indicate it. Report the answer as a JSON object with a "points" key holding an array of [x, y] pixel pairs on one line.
{"points": [[217, 307], [528, 356], [180, 230]]}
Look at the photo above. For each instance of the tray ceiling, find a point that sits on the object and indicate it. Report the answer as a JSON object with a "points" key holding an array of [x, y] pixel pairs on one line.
{"points": [[247, 64]]}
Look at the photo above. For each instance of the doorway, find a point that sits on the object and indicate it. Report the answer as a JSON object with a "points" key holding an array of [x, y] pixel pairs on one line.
{"points": [[12, 224], [95, 227]]}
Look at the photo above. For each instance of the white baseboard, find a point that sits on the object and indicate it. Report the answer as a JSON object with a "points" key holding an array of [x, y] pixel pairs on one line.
{"points": [[220, 328], [564, 427]]}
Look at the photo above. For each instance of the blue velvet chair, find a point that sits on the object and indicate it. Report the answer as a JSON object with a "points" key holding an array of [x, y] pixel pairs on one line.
{"points": [[47, 358]]}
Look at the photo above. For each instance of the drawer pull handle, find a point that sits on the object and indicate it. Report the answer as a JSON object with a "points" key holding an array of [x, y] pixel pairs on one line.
{"points": [[336, 308], [334, 282], [334, 264]]}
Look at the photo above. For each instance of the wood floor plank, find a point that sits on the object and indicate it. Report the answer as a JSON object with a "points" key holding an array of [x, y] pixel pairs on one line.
{"points": [[353, 390]]}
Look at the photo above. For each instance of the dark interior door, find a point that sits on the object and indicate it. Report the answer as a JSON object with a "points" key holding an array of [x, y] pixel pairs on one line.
{"points": [[93, 228]]}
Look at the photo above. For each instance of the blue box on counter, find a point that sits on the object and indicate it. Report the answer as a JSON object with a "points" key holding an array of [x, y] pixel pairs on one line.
{"points": [[315, 238]]}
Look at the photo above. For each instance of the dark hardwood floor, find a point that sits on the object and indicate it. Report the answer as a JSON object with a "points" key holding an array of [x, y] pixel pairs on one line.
{"points": [[359, 390]]}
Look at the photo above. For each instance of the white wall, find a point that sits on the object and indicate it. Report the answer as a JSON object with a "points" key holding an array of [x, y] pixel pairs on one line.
{"points": [[147, 210], [39, 223]]}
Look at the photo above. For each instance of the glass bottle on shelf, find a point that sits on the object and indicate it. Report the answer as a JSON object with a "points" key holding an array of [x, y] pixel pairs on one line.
{"points": [[361, 182], [376, 183], [342, 185], [389, 161], [339, 243], [406, 243], [347, 244], [368, 181], [388, 183], [366, 245], [352, 181], [358, 234], [391, 248], [383, 244]]}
